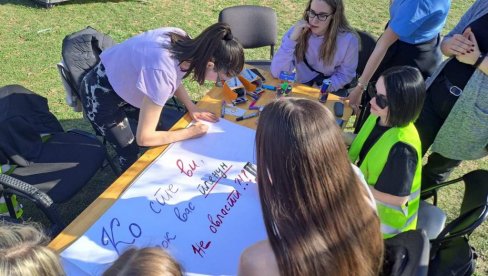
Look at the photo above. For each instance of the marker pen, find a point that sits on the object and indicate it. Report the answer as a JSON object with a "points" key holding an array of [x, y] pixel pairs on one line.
{"points": [[247, 116], [222, 110]]}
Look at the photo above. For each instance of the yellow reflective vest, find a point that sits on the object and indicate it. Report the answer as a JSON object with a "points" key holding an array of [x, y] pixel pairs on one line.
{"points": [[394, 219]]}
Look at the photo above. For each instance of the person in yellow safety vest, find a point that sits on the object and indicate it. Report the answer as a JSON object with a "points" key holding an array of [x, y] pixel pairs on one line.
{"points": [[387, 149]]}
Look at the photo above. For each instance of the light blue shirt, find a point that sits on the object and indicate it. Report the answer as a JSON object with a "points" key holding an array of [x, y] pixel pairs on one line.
{"points": [[417, 21]]}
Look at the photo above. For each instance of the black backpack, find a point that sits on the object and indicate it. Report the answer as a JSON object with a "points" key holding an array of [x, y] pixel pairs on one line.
{"points": [[453, 257]]}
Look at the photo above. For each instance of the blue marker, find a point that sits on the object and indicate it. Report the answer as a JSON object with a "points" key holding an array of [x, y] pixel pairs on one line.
{"points": [[269, 87]]}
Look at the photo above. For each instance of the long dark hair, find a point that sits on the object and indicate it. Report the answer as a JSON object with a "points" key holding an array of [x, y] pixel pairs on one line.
{"points": [[337, 25], [405, 91], [315, 209], [215, 44]]}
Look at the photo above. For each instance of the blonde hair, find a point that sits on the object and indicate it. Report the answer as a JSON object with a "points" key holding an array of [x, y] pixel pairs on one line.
{"points": [[23, 251], [149, 261]]}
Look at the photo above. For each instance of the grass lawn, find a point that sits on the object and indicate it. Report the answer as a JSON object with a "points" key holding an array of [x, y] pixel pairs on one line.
{"points": [[30, 47]]}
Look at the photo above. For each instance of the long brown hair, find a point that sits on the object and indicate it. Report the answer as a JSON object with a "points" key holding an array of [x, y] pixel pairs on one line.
{"points": [[337, 25], [216, 43], [315, 209]]}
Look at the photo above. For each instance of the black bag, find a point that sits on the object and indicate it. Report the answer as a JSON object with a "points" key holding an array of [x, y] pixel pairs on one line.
{"points": [[453, 257]]}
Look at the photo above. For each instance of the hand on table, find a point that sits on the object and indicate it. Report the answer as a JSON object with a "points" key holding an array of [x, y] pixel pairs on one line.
{"points": [[471, 56], [300, 27], [201, 115]]}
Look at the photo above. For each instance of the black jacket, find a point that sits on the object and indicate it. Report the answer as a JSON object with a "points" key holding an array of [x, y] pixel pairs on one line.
{"points": [[81, 52], [24, 117]]}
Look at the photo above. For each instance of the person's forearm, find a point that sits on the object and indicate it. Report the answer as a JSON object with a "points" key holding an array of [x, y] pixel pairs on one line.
{"points": [[183, 97], [283, 58], [158, 138], [346, 70], [382, 45], [373, 63]]}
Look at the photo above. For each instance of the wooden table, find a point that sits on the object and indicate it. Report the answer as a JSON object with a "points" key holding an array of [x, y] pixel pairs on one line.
{"points": [[212, 101]]}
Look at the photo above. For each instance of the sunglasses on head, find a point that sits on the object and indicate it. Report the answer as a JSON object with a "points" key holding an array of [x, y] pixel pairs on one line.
{"points": [[381, 101]]}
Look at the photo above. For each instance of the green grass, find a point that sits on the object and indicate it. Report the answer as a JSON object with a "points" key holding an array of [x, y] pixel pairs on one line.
{"points": [[30, 46]]}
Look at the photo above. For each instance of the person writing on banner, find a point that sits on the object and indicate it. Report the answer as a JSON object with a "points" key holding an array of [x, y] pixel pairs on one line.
{"points": [[144, 72], [387, 148], [319, 216], [321, 45], [454, 119], [411, 38]]}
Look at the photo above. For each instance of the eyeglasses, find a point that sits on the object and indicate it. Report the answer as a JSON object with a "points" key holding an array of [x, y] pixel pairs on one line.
{"points": [[320, 16], [381, 101]]}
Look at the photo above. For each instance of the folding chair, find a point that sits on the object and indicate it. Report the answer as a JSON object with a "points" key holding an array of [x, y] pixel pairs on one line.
{"points": [[406, 254], [254, 27], [36, 151], [451, 253]]}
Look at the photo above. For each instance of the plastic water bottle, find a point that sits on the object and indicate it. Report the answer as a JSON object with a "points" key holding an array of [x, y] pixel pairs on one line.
{"points": [[324, 94]]}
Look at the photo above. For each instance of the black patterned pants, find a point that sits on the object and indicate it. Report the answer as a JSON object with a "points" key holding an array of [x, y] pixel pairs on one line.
{"points": [[109, 115]]}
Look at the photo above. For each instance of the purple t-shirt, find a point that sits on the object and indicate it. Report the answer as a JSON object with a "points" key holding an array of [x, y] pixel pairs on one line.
{"points": [[142, 66], [341, 71]]}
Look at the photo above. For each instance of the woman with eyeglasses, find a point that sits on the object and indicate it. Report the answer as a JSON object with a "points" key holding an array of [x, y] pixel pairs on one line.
{"points": [[387, 148], [140, 74], [320, 46], [319, 216], [411, 37], [454, 119]]}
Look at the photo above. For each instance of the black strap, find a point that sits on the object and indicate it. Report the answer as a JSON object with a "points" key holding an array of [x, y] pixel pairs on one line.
{"points": [[310, 67], [318, 79]]}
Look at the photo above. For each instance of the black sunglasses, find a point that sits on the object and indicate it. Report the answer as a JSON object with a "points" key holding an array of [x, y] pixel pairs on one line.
{"points": [[381, 101]]}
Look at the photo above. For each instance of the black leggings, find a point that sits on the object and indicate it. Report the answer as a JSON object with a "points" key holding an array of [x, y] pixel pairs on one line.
{"points": [[109, 115], [437, 106]]}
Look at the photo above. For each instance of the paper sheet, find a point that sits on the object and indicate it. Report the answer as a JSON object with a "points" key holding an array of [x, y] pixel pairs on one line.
{"points": [[195, 200]]}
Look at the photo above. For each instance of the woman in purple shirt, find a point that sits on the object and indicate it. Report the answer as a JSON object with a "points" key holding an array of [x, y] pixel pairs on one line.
{"points": [[143, 72], [322, 45]]}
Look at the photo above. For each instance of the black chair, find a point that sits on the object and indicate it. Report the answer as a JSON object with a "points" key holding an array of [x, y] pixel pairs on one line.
{"points": [[40, 153], [406, 254], [254, 27], [451, 252], [11, 186], [367, 42]]}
